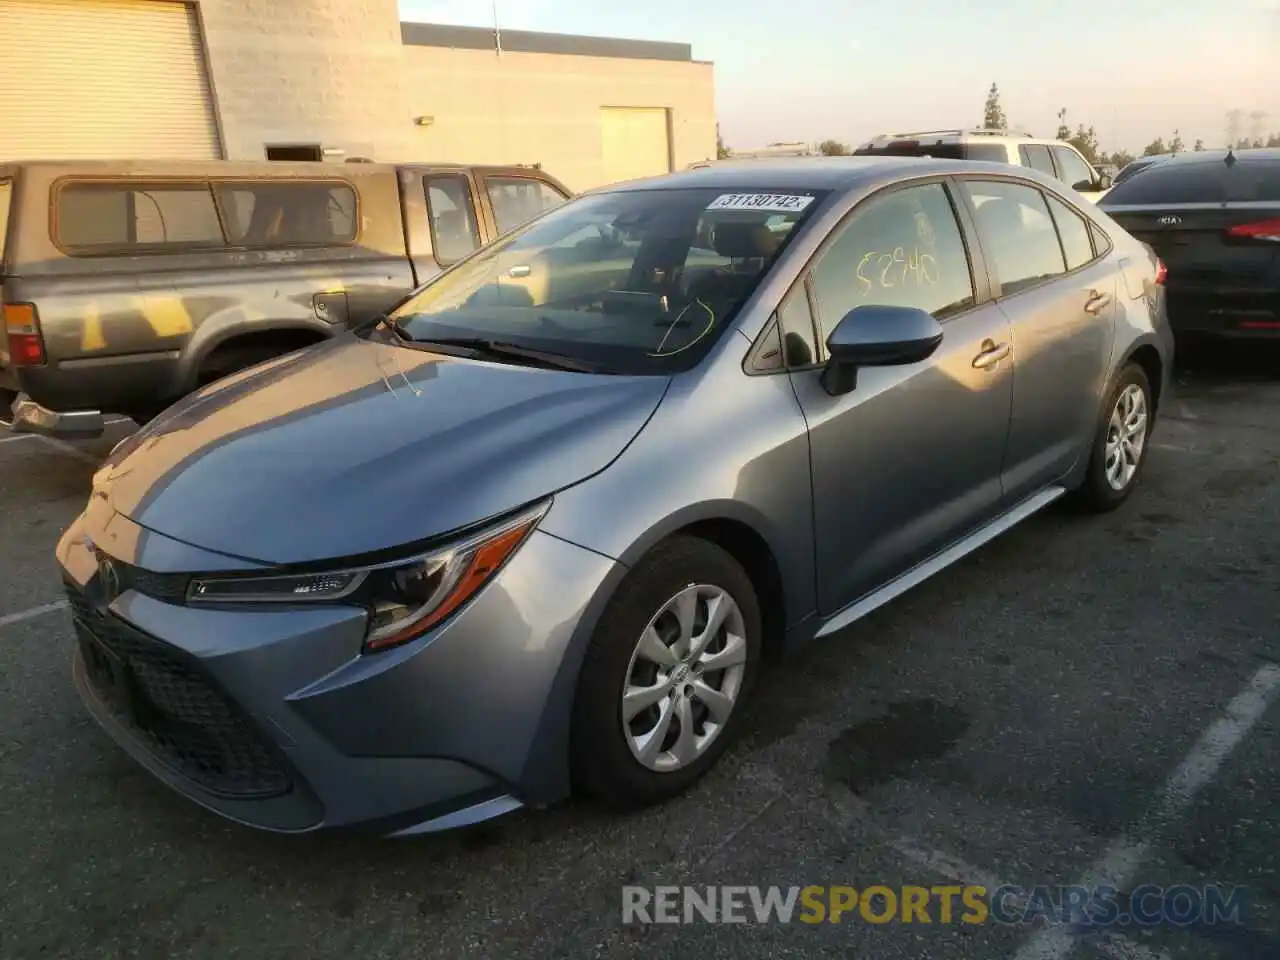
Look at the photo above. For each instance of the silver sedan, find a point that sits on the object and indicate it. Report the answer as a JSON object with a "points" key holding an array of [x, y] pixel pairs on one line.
{"points": [[539, 528]]}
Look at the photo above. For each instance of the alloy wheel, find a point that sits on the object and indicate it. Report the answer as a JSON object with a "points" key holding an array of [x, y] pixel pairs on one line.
{"points": [[1126, 437], [684, 678]]}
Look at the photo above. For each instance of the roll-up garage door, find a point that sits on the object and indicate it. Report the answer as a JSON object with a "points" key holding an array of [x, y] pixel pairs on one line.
{"points": [[634, 142], [103, 78]]}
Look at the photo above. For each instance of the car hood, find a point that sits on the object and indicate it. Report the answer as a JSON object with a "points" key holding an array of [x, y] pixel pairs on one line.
{"points": [[359, 446]]}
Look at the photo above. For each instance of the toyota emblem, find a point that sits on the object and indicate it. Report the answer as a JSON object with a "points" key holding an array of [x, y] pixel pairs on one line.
{"points": [[109, 576], [1169, 221]]}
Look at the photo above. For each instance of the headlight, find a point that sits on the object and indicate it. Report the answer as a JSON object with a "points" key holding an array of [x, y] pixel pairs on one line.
{"points": [[404, 598]]}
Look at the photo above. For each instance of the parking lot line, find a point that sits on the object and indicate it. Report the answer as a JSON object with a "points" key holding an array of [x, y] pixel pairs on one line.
{"points": [[17, 437], [9, 619], [1125, 854], [69, 450]]}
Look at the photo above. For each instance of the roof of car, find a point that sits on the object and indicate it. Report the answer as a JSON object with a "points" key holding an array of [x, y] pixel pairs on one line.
{"points": [[1218, 156], [813, 173]]}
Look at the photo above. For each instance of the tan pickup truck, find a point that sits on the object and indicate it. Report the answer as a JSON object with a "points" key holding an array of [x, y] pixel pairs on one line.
{"points": [[126, 285]]}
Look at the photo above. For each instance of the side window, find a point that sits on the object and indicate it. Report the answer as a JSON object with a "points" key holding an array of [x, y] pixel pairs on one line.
{"points": [[272, 213], [1017, 232], [989, 152], [452, 216], [101, 218], [1074, 170], [1036, 156], [903, 248], [517, 200], [1074, 233], [795, 321]]}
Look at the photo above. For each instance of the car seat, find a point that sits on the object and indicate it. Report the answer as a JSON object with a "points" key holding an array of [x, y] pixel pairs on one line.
{"points": [[748, 245]]}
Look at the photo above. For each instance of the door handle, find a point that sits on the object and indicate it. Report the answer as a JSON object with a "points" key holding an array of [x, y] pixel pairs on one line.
{"points": [[992, 353], [1097, 302]]}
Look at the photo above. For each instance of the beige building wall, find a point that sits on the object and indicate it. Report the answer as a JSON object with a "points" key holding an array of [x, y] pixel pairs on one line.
{"points": [[308, 71], [545, 108]]}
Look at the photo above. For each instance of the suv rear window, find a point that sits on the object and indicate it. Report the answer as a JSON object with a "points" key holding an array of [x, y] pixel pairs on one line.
{"points": [[1201, 181], [943, 151], [94, 219], [914, 148]]}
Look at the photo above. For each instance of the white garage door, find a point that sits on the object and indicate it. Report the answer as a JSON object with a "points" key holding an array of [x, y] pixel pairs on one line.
{"points": [[103, 78], [634, 142]]}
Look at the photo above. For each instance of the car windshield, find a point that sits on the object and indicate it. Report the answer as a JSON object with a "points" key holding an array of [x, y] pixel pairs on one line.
{"points": [[1201, 181], [635, 282]]}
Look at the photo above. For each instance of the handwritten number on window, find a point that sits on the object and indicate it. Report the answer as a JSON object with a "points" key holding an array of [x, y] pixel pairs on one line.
{"points": [[900, 268]]}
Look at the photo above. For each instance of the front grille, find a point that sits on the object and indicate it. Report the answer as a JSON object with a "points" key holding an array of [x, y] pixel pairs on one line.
{"points": [[170, 587], [181, 714]]}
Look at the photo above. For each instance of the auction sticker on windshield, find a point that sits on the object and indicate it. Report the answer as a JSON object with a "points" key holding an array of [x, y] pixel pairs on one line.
{"points": [[769, 202]]}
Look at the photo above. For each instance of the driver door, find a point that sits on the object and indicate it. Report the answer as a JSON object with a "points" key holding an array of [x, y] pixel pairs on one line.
{"points": [[910, 459]]}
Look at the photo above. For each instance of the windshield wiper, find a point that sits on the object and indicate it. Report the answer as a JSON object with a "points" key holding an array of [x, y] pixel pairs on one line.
{"points": [[483, 346]]}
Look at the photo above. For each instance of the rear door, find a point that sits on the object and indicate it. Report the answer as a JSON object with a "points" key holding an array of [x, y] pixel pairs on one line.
{"points": [[1058, 292], [1216, 226]]}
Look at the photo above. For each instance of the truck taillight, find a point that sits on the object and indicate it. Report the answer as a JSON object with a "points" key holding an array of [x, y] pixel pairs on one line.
{"points": [[1258, 230], [26, 348]]}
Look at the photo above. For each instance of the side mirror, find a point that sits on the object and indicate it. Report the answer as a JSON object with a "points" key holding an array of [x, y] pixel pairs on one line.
{"points": [[877, 336]]}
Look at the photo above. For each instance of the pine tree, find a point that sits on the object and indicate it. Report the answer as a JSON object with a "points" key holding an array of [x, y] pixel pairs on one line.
{"points": [[993, 117]]}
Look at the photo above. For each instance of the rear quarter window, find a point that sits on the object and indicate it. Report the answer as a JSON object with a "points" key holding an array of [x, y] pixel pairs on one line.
{"points": [[1201, 182], [6, 200], [98, 219], [103, 218]]}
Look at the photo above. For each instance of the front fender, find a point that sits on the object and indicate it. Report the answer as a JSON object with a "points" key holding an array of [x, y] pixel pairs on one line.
{"points": [[723, 446]]}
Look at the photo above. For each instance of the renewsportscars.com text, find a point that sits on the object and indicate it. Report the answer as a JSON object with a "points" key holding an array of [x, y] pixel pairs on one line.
{"points": [[1143, 905]]}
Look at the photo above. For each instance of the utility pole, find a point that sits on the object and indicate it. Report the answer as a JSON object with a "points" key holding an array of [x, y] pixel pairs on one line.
{"points": [[497, 31]]}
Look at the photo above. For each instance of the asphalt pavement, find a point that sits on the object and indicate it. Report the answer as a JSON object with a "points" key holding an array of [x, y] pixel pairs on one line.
{"points": [[1085, 700]]}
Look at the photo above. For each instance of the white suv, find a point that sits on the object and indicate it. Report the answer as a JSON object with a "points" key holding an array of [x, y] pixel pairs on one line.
{"points": [[1054, 157]]}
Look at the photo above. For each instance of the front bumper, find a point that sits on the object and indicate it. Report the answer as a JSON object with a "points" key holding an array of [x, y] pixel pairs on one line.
{"points": [[31, 417], [274, 719]]}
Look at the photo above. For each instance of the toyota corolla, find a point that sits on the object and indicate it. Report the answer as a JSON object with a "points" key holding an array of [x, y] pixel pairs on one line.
{"points": [[537, 529]]}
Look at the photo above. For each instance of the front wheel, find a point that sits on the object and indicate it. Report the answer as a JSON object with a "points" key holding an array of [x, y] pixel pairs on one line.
{"points": [[662, 686], [1120, 442]]}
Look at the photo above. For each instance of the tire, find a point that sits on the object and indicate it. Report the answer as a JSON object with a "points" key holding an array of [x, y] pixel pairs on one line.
{"points": [[604, 762], [1105, 487]]}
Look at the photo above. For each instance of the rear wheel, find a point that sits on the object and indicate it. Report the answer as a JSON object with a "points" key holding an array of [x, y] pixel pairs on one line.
{"points": [[1120, 442], [663, 685]]}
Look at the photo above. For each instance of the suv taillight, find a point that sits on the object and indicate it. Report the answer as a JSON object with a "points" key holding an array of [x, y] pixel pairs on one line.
{"points": [[1258, 230], [26, 348], [1162, 273]]}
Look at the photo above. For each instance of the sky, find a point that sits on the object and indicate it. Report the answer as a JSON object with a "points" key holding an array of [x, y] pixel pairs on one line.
{"points": [[848, 70]]}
